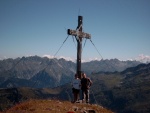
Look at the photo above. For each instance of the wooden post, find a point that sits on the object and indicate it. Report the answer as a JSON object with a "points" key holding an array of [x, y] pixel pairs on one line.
{"points": [[79, 47], [79, 35]]}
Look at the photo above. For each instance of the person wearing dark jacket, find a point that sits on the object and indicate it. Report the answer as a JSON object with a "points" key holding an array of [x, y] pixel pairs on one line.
{"points": [[85, 86]]}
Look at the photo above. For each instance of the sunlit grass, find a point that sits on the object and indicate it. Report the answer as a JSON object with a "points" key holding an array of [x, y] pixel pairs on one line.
{"points": [[54, 106]]}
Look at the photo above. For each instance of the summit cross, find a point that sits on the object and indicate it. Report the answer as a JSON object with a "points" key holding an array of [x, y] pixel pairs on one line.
{"points": [[79, 36]]}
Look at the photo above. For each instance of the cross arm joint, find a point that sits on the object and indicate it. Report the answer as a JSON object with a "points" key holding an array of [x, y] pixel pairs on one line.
{"points": [[79, 34]]}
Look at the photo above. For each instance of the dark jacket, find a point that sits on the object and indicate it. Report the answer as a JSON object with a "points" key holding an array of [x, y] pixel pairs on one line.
{"points": [[85, 83]]}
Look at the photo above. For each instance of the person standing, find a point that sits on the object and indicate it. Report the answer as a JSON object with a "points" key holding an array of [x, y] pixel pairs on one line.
{"points": [[85, 86], [76, 84]]}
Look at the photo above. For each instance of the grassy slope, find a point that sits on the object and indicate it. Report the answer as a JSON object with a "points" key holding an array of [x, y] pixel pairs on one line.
{"points": [[54, 106]]}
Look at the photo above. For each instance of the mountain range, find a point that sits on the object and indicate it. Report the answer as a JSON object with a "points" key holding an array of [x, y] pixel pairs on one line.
{"points": [[126, 91], [40, 72]]}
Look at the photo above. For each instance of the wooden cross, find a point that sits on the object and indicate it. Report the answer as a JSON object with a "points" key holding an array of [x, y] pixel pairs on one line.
{"points": [[79, 35]]}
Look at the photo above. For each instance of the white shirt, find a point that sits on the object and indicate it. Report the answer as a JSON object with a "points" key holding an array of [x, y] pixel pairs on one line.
{"points": [[76, 83]]}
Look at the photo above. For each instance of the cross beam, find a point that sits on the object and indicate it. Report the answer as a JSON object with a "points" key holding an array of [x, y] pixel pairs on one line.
{"points": [[79, 35]]}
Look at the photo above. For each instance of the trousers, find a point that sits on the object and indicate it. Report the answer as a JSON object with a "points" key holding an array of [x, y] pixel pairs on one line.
{"points": [[85, 95]]}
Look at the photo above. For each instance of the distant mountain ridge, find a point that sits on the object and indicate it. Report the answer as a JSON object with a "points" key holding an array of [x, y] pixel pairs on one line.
{"points": [[122, 92], [35, 70], [39, 72]]}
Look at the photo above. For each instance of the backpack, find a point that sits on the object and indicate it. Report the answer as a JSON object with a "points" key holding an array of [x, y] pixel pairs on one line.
{"points": [[85, 83]]}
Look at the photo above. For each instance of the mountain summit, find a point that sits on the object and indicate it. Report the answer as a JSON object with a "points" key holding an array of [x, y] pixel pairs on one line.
{"points": [[56, 106]]}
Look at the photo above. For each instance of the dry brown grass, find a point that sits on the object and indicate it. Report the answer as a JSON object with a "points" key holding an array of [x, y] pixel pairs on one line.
{"points": [[54, 106]]}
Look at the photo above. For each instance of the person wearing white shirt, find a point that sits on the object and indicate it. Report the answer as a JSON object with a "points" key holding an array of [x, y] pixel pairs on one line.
{"points": [[76, 84]]}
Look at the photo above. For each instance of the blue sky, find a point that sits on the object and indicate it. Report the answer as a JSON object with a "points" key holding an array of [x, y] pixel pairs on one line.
{"points": [[119, 28]]}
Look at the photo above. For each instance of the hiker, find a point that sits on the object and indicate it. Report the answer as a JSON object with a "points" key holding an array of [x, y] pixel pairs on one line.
{"points": [[85, 86], [76, 84]]}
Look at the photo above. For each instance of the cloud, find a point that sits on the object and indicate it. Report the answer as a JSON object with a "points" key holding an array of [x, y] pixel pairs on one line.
{"points": [[48, 56], [91, 59], [3, 57], [59, 57], [72, 59], [143, 58], [67, 58]]}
